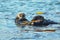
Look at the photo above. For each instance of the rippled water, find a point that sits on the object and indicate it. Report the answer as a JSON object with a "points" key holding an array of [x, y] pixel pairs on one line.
{"points": [[10, 8]]}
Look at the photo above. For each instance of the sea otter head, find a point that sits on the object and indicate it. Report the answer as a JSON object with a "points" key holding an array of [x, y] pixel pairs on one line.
{"points": [[21, 15]]}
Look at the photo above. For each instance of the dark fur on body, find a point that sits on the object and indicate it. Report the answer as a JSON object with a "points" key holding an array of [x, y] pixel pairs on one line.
{"points": [[44, 22]]}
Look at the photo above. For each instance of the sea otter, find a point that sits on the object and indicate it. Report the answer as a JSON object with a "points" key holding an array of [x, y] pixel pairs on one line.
{"points": [[41, 21], [21, 20]]}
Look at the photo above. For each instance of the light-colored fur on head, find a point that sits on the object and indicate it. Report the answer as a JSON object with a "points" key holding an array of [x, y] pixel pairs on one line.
{"points": [[18, 15]]}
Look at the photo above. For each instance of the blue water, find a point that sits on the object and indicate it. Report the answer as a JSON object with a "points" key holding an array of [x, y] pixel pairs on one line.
{"points": [[10, 8]]}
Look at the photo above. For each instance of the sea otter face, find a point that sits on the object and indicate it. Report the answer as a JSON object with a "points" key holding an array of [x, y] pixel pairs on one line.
{"points": [[21, 15]]}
